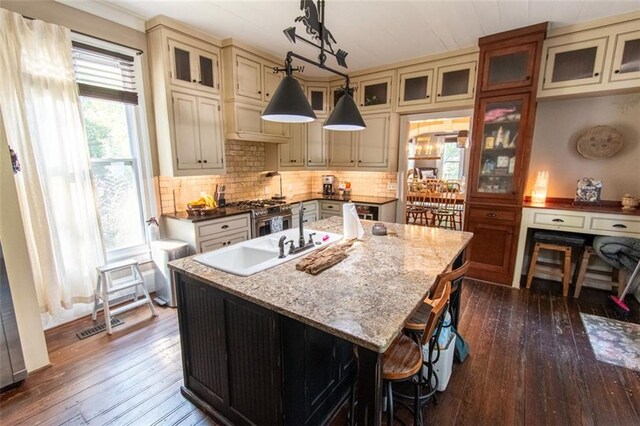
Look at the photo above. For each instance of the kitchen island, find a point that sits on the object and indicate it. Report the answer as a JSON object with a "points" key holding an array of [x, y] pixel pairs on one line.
{"points": [[277, 347]]}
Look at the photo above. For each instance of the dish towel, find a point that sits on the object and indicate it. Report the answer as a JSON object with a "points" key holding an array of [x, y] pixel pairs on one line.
{"points": [[276, 224], [351, 226]]}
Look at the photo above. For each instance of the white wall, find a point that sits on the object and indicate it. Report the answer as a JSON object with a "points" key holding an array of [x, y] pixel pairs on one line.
{"points": [[558, 126], [21, 280]]}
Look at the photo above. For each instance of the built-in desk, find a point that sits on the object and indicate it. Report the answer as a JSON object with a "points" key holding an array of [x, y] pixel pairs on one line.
{"points": [[607, 219]]}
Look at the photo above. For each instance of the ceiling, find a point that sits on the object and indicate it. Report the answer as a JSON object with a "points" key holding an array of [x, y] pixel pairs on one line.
{"points": [[373, 32]]}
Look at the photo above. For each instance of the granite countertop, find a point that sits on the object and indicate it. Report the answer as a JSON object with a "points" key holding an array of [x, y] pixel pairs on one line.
{"points": [[218, 213], [364, 299], [364, 199], [230, 211]]}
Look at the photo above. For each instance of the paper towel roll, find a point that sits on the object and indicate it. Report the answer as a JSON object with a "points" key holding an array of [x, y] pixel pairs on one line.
{"points": [[351, 226]]}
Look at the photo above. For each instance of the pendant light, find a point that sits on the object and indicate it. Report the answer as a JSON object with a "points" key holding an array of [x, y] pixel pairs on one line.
{"points": [[345, 116], [289, 103]]}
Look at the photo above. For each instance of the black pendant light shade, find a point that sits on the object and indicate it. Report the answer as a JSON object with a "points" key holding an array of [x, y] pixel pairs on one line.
{"points": [[289, 104], [345, 116]]}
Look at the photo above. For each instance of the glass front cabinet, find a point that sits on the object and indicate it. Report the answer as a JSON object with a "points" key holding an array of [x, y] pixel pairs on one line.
{"points": [[415, 86], [508, 67], [375, 92], [499, 130], [574, 63], [194, 68], [626, 57]]}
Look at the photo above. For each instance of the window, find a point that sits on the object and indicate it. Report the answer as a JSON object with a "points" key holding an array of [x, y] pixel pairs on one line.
{"points": [[452, 161], [115, 128]]}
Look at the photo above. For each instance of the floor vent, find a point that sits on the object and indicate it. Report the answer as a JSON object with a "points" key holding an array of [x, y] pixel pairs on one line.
{"points": [[91, 331]]}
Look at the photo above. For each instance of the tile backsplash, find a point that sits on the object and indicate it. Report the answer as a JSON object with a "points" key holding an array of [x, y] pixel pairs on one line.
{"points": [[246, 179]]}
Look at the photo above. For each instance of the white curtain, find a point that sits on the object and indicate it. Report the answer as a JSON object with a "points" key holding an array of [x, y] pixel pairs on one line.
{"points": [[41, 110]]}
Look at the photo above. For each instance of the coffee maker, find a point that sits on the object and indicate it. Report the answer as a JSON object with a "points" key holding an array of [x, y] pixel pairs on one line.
{"points": [[327, 184]]}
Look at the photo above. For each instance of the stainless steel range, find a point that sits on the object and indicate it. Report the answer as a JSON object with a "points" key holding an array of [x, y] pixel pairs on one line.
{"points": [[262, 214]]}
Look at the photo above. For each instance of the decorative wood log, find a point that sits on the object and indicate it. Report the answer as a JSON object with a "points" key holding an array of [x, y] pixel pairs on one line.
{"points": [[324, 258]]}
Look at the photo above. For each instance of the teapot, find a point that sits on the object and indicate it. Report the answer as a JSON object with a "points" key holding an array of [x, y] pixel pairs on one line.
{"points": [[629, 202]]}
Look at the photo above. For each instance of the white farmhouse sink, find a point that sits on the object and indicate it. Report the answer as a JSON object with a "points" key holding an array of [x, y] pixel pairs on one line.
{"points": [[253, 256]]}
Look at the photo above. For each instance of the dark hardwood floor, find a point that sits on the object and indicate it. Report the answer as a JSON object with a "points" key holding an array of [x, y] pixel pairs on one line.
{"points": [[530, 363]]}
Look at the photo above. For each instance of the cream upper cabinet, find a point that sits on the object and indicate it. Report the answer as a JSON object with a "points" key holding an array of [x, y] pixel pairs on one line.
{"points": [[186, 83], [292, 154], [248, 78], [441, 83], [374, 148], [626, 57], [415, 86], [373, 141], [455, 82], [585, 61], [342, 148], [336, 92], [194, 68], [376, 91], [198, 132], [574, 63], [316, 145], [271, 82]]}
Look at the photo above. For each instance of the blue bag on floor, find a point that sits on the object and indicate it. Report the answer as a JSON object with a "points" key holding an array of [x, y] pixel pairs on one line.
{"points": [[462, 347]]}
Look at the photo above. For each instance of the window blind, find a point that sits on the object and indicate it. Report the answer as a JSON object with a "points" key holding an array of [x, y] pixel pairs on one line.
{"points": [[104, 74]]}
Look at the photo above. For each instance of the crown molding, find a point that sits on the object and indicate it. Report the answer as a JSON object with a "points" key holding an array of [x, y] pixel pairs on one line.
{"points": [[108, 12]]}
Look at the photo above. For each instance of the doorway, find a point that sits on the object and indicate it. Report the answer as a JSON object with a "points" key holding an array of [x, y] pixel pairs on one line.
{"points": [[436, 149]]}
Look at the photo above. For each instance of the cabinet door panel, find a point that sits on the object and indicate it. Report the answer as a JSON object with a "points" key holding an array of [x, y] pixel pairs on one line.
{"points": [[181, 58], [271, 82], [342, 148], [455, 82], [373, 143], [210, 129], [208, 71], [509, 67], [292, 153], [415, 87], [375, 94], [248, 118], [626, 57], [187, 139], [316, 145], [574, 64], [249, 75], [491, 251], [498, 155], [275, 128], [318, 99]]}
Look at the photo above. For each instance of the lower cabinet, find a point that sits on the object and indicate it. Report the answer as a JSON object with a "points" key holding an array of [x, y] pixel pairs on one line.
{"points": [[492, 251], [309, 214], [254, 366], [207, 235]]}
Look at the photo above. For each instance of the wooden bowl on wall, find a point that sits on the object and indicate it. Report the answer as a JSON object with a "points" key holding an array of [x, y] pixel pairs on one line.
{"points": [[599, 142]]}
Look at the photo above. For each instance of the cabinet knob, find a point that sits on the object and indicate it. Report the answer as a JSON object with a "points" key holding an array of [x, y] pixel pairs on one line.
{"points": [[438, 94], [557, 220], [427, 96], [491, 215], [228, 242], [359, 161], [619, 225], [308, 161], [361, 104], [352, 161], [596, 74], [199, 161], [616, 72], [224, 226], [528, 77], [199, 81], [291, 161], [267, 94], [295, 161], [204, 161], [194, 80], [224, 244], [259, 92]]}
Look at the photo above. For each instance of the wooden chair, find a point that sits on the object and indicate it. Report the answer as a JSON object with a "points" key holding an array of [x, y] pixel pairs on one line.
{"points": [[418, 321], [446, 213], [417, 207], [404, 360]]}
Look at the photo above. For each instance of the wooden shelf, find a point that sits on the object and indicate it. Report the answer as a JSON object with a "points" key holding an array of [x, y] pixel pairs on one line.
{"points": [[509, 175], [498, 150], [424, 158]]}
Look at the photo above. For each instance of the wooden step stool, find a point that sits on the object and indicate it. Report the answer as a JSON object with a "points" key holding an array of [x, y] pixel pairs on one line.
{"points": [[560, 242], [617, 279], [106, 286]]}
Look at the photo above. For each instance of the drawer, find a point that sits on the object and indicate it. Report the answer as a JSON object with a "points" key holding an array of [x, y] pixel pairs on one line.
{"points": [[561, 220], [325, 215], [309, 206], [492, 214], [223, 225], [224, 240], [309, 217], [627, 226], [331, 206]]}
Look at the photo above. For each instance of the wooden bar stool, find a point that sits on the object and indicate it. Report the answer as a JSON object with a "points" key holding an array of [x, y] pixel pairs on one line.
{"points": [[559, 242], [106, 286], [616, 281]]}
